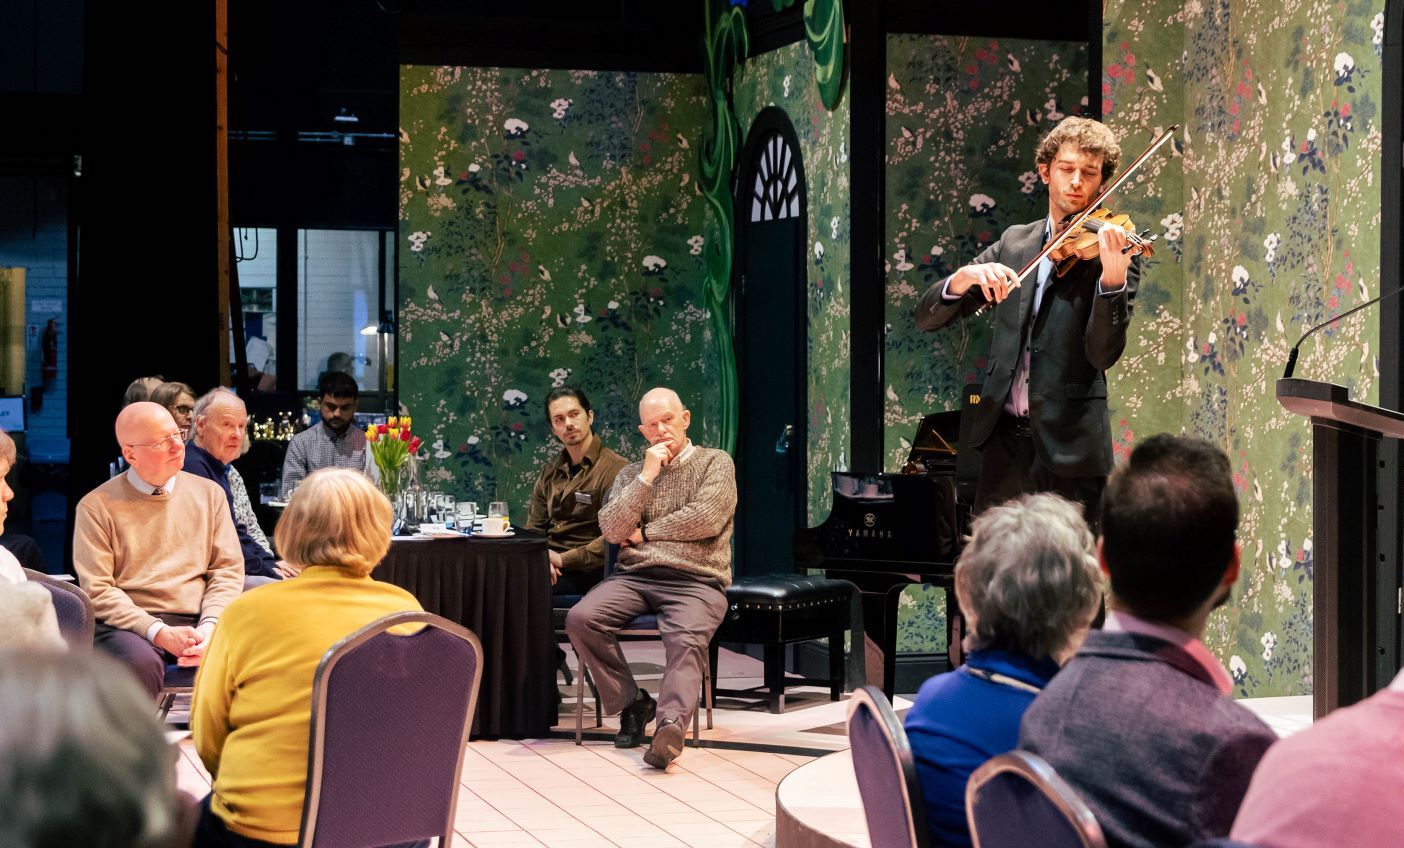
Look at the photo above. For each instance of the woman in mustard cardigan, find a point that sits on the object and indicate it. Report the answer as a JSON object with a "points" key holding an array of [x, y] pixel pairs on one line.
{"points": [[252, 706]]}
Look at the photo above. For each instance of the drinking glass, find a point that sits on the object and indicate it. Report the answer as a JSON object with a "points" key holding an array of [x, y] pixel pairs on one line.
{"points": [[496, 508]]}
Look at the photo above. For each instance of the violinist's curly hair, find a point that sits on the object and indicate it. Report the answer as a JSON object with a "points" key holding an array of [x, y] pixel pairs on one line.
{"points": [[1089, 136]]}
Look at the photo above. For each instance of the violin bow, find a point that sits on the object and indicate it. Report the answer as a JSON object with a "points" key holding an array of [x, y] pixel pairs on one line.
{"points": [[1096, 202]]}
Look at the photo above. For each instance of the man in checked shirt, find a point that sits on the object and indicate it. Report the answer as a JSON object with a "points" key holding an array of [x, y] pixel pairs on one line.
{"points": [[332, 443]]}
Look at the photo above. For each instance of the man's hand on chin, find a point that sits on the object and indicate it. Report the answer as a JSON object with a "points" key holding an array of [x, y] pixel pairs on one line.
{"points": [[656, 458]]}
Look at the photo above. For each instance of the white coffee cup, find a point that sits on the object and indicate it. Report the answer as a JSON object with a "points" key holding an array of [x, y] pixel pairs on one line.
{"points": [[495, 525]]}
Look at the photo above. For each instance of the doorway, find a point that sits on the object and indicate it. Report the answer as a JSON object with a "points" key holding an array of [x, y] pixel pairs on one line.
{"points": [[770, 319]]}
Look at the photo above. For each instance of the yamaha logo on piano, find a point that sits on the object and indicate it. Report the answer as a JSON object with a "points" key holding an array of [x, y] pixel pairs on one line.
{"points": [[869, 529]]}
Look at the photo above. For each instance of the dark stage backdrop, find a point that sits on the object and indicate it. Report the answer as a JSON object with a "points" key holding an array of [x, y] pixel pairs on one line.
{"points": [[1269, 222], [550, 232]]}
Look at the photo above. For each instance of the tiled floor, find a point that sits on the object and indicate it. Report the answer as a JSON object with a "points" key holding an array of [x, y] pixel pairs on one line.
{"points": [[551, 793]]}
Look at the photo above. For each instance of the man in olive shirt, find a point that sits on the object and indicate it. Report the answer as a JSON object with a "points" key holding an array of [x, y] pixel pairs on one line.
{"points": [[569, 492]]}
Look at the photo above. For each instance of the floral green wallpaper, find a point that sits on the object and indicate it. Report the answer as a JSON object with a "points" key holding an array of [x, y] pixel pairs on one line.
{"points": [[963, 117], [1266, 212], [1268, 217], [551, 232], [785, 78]]}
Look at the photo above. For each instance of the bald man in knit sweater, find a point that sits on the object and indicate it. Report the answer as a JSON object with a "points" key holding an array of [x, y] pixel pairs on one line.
{"points": [[671, 513], [156, 550]]}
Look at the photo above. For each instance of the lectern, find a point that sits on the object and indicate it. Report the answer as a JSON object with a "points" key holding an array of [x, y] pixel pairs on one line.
{"points": [[1356, 572]]}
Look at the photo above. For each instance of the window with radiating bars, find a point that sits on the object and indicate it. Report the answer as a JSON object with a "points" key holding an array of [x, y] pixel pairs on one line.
{"points": [[776, 194]]}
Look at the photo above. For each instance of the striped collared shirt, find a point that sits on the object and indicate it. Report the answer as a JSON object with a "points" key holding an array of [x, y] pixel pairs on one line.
{"points": [[317, 447]]}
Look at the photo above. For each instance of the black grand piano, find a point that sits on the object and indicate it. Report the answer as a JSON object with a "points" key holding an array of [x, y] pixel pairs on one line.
{"points": [[889, 531]]}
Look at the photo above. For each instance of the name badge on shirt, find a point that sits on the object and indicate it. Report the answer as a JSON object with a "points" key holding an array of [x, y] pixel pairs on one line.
{"points": [[582, 497]]}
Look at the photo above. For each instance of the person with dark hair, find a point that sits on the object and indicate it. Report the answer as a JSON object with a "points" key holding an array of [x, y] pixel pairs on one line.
{"points": [[179, 401], [1042, 424], [566, 500], [82, 757], [333, 443], [1028, 584], [141, 389], [1140, 721]]}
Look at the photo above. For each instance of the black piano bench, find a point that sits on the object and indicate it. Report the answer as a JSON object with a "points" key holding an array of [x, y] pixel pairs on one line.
{"points": [[779, 610]]}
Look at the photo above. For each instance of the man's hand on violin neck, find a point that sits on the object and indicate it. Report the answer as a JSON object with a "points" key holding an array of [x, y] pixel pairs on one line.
{"points": [[1116, 259], [994, 280]]}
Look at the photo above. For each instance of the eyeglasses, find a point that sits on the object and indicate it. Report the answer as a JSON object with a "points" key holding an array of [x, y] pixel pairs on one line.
{"points": [[166, 444], [184, 410]]}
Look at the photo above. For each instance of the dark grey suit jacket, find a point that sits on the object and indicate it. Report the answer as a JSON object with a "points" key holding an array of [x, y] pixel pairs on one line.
{"points": [[1077, 336], [1138, 728]]}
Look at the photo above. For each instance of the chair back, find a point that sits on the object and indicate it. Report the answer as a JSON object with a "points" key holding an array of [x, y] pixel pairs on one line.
{"points": [[390, 719], [886, 772], [72, 606], [1016, 795]]}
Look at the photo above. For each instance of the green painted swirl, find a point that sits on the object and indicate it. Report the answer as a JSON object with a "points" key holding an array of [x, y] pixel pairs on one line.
{"points": [[726, 45], [823, 26]]}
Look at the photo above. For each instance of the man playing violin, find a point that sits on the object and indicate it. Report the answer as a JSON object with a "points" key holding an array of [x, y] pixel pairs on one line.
{"points": [[1042, 422]]}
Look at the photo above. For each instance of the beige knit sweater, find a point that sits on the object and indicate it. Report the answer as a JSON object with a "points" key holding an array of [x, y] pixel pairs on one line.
{"points": [[137, 555], [686, 513]]}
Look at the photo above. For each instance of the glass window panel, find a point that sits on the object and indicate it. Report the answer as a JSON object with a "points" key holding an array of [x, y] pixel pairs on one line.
{"points": [[338, 289], [256, 254]]}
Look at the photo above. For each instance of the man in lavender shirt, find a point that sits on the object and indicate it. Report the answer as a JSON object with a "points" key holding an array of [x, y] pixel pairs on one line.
{"points": [[1042, 423], [1141, 722]]}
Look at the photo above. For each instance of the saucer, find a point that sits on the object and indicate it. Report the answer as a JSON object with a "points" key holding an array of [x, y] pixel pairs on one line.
{"points": [[484, 535]]}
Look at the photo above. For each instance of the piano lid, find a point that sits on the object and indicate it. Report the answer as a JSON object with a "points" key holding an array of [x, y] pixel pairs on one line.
{"points": [[933, 447]]}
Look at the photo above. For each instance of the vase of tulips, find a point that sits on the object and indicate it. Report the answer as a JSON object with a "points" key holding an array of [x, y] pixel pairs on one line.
{"points": [[393, 448]]}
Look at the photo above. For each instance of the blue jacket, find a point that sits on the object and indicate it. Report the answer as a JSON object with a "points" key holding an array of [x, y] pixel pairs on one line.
{"points": [[959, 721], [257, 561]]}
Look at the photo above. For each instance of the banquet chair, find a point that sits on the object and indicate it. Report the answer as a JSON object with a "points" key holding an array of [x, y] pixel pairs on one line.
{"points": [[72, 606], [886, 772], [390, 721], [639, 627], [1017, 795]]}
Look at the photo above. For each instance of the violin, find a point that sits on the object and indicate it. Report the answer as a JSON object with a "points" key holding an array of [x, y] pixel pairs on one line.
{"points": [[1080, 242], [1083, 221]]}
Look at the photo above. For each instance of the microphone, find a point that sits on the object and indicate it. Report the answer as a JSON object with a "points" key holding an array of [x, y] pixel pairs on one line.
{"points": [[1292, 354]]}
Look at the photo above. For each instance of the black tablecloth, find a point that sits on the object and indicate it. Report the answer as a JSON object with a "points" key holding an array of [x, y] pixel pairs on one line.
{"points": [[501, 590]]}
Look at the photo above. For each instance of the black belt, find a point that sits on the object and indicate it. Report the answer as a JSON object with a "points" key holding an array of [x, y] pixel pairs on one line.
{"points": [[1016, 426]]}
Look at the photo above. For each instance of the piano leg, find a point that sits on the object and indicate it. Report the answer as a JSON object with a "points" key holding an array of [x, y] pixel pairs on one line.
{"points": [[955, 630], [889, 640]]}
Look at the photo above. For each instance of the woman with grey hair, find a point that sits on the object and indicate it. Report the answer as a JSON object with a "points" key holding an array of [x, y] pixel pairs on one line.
{"points": [[83, 760], [1029, 586]]}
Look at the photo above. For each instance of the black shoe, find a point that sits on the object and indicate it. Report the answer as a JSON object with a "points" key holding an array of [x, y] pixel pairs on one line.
{"points": [[667, 743], [634, 719]]}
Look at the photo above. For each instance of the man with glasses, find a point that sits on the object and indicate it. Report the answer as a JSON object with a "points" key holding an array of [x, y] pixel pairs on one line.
{"points": [[332, 444], [156, 550]]}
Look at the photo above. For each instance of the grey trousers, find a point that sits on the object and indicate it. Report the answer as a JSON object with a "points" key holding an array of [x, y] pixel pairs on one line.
{"points": [[146, 661], [689, 609]]}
